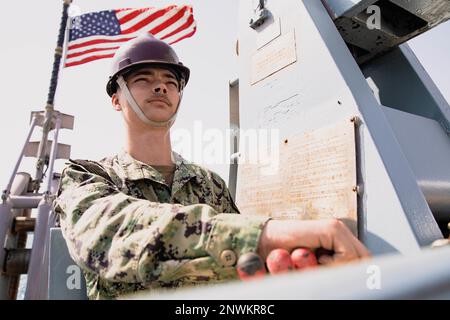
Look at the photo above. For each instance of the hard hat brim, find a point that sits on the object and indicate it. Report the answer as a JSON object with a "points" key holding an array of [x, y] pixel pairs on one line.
{"points": [[182, 71]]}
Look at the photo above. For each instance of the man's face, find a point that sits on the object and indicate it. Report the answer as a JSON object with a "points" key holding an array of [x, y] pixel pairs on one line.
{"points": [[155, 90]]}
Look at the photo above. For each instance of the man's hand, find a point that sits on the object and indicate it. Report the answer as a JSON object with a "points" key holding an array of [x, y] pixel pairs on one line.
{"points": [[331, 235]]}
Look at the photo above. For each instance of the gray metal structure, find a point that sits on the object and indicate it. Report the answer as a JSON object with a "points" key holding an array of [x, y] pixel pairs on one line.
{"points": [[18, 199], [400, 20], [325, 85]]}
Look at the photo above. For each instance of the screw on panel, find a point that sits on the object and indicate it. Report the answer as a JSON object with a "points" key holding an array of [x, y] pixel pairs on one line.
{"points": [[359, 189], [356, 120]]}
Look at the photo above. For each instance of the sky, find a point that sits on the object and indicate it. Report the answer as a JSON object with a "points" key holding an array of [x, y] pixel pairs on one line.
{"points": [[26, 57]]}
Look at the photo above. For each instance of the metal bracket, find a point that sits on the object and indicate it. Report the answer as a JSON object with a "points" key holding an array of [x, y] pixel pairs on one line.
{"points": [[66, 119], [31, 150], [260, 16]]}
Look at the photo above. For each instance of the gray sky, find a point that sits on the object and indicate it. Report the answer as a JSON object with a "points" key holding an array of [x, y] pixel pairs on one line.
{"points": [[26, 56]]}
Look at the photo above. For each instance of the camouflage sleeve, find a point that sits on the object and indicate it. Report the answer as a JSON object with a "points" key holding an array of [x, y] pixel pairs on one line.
{"points": [[226, 202], [125, 239]]}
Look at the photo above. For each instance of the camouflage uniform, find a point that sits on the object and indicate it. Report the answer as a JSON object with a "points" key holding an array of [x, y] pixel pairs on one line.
{"points": [[129, 231]]}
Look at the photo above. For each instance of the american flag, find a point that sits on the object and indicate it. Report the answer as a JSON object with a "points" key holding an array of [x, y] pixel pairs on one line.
{"points": [[98, 35]]}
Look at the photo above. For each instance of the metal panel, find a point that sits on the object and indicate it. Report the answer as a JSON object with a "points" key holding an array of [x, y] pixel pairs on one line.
{"points": [[402, 83], [429, 161], [325, 86], [66, 280]]}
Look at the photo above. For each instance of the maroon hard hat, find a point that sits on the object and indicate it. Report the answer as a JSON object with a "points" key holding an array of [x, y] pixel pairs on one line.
{"points": [[145, 49]]}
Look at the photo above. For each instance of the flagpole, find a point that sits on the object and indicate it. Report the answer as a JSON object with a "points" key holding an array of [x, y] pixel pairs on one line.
{"points": [[36, 287], [49, 108], [66, 42], [69, 27]]}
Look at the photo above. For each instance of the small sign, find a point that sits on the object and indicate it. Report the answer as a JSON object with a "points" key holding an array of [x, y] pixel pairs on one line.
{"points": [[273, 57], [314, 178]]}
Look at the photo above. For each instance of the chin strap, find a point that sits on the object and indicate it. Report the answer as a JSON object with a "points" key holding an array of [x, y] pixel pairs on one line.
{"points": [[133, 104]]}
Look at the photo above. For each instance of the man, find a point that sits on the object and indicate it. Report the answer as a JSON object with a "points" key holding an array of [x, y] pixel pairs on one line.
{"points": [[147, 218]]}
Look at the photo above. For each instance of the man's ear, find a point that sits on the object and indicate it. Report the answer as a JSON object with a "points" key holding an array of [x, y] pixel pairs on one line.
{"points": [[116, 102]]}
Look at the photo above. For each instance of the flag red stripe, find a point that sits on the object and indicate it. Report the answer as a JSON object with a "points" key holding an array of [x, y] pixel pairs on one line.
{"points": [[185, 25], [168, 22], [97, 41], [132, 15], [77, 54], [91, 58], [186, 36], [147, 20]]}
